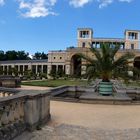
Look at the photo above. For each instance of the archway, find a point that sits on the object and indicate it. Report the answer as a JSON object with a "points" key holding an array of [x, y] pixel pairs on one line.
{"points": [[76, 65], [137, 65]]}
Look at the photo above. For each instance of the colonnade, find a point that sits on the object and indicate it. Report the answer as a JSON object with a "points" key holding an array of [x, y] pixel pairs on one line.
{"points": [[35, 68]]}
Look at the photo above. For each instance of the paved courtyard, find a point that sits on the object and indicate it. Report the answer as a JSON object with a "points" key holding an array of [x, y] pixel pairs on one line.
{"points": [[74, 121]]}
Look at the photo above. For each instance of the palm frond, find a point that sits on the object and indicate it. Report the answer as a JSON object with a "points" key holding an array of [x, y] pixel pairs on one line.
{"points": [[123, 60], [103, 65], [87, 58]]}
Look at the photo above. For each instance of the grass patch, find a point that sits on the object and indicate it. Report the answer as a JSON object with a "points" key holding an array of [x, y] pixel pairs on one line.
{"points": [[56, 83]]}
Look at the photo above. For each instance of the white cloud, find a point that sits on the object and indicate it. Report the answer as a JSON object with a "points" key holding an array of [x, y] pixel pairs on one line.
{"points": [[36, 8], [125, 0], [102, 3], [2, 2], [43, 8], [79, 3]]}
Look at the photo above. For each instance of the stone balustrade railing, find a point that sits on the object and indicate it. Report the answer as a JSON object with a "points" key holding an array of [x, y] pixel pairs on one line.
{"points": [[23, 110], [5, 94]]}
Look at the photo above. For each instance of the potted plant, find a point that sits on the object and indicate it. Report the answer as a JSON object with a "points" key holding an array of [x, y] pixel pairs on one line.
{"points": [[104, 65]]}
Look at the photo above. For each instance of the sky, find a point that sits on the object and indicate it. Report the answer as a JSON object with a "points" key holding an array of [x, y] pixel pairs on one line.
{"points": [[43, 25]]}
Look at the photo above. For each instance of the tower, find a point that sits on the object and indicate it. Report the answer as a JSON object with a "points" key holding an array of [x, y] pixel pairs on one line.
{"points": [[132, 39], [84, 36]]}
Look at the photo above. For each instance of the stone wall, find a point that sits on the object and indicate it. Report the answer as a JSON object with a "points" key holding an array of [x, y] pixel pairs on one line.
{"points": [[25, 110]]}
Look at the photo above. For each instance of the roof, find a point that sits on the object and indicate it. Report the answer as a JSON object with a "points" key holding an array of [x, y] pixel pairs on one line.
{"points": [[132, 30], [23, 61], [85, 29], [109, 39]]}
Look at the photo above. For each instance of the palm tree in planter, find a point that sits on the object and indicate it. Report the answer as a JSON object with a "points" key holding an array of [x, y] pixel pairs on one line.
{"points": [[104, 65]]}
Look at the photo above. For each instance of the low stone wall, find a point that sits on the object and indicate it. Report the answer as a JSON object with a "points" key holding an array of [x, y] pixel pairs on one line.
{"points": [[9, 81], [123, 95], [134, 93], [58, 90], [24, 110], [62, 89]]}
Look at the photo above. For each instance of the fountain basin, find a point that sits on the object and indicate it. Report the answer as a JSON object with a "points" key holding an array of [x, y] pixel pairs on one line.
{"points": [[82, 95]]}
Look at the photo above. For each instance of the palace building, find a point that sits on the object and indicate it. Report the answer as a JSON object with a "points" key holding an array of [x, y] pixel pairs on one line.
{"points": [[68, 60]]}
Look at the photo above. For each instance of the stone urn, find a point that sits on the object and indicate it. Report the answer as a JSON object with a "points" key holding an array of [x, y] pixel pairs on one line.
{"points": [[105, 88]]}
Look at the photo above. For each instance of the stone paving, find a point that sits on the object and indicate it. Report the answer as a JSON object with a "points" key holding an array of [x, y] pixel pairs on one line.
{"points": [[73, 132]]}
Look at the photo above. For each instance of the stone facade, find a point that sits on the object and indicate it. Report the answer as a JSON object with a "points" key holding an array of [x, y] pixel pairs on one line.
{"points": [[67, 60]]}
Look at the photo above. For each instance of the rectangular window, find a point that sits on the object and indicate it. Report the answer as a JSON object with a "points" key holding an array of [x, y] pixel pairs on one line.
{"points": [[98, 45], [94, 44], [132, 35], [84, 34]]}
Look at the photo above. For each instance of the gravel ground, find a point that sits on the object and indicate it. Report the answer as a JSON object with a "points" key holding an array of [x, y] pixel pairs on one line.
{"points": [[73, 132], [33, 88], [74, 121]]}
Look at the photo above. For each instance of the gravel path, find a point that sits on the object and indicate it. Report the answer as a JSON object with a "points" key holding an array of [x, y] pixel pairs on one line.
{"points": [[74, 121], [33, 88]]}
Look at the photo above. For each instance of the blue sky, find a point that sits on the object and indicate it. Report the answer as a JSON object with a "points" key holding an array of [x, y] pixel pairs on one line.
{"points": [[43, 25]]}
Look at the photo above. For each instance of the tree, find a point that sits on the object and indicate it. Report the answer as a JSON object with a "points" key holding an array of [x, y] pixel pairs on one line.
{"points": [[104, 65], [39, 55], [53, 74], [11, 55], [14, 55], [2, 55], [44, 56], [21, 55]]}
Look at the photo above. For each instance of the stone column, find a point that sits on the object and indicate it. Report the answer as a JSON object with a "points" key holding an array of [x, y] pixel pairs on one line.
{"points": [[83, 69], [23, 69], [63, 68], [18, 69], [36, 69], [49, 70], [7, 69], [68, 69], [30, 67], [41, 68], [56, 68]]}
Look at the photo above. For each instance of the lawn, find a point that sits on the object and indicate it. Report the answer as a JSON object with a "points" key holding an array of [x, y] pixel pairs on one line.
{"points": [[56, 83]]}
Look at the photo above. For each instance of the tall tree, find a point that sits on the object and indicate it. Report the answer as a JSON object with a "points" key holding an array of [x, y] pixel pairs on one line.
{"points": [[39, 55], [11, 55], [21, 55], [2, 55]]}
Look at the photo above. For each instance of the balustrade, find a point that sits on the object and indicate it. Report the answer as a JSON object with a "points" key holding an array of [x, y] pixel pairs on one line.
{"points": [[5, 94]]}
